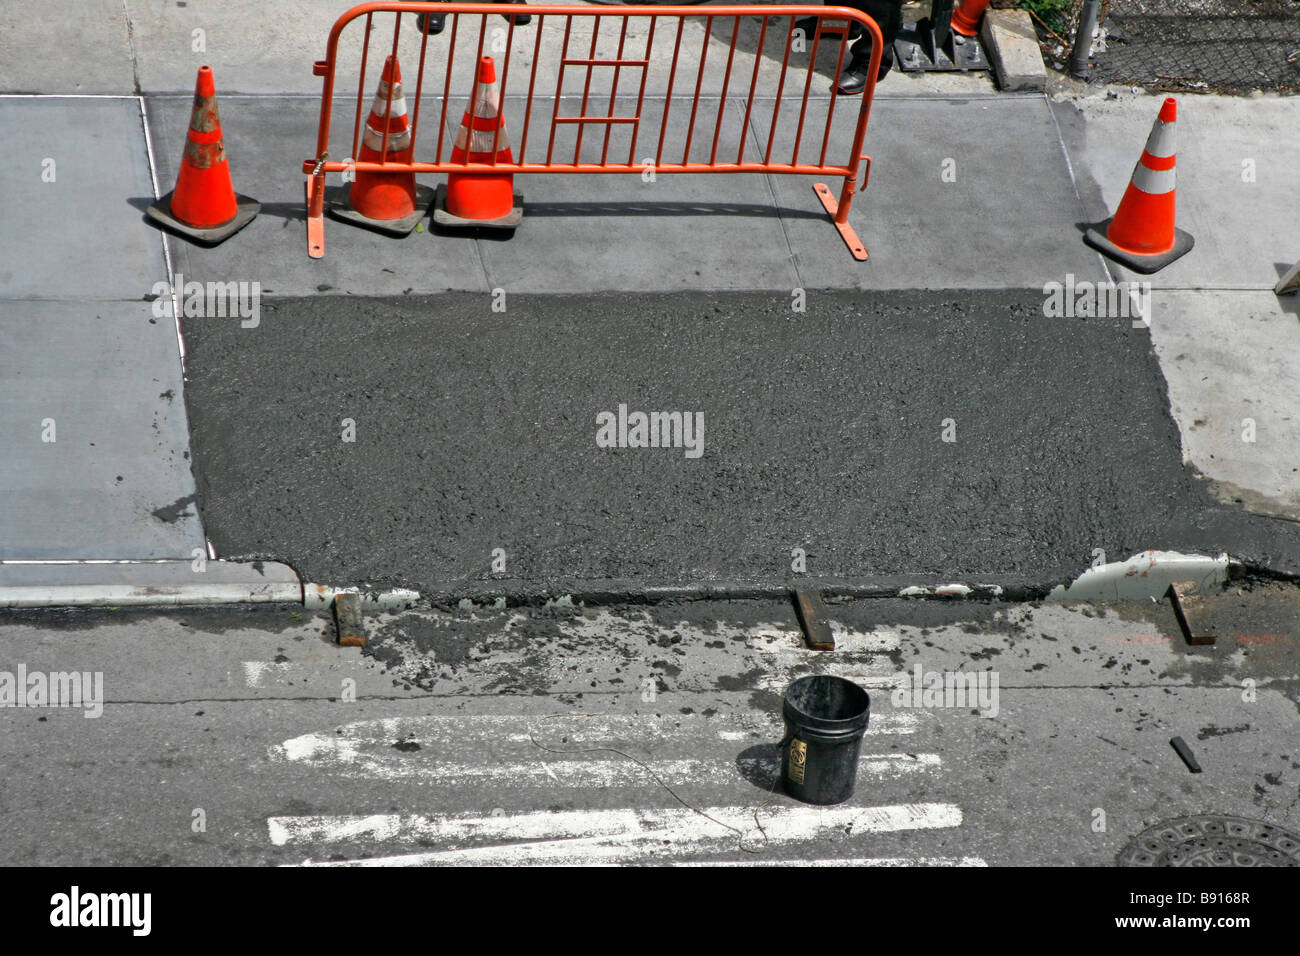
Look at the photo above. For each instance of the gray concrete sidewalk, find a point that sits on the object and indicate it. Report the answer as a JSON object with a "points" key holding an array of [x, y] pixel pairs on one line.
{"points": [[622, 234], [92, 415]]}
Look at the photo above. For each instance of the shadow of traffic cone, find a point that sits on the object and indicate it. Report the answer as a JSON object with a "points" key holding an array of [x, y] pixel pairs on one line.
{"points": [[390, 203], [204, 205], [1142, 234], [481, 198]]}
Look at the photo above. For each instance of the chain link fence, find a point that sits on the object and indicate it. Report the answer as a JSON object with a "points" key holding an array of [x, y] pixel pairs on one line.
{"points": [[1210, 46]]}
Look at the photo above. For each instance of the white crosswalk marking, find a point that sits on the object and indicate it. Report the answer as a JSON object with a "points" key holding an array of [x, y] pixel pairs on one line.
{"points": [[508, 757], [605, 835], [367, 748]]}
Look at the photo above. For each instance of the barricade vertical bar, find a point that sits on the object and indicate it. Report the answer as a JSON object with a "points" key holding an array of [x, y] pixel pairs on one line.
{"points": [[419, 88], [446, 87], [722, 97], [505, 75], [388, 104], [780, 88], [640, 96], [613, 92], [361, 91], [478, 58], [807, 87], [473, 90], [699, 82], [559, 89], [532, 82], [830, 110], [668, 100], [586, 90], [753, 85]]}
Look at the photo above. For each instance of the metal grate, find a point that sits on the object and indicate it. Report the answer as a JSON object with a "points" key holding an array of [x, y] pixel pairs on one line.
{"points": [[1209, 46]]}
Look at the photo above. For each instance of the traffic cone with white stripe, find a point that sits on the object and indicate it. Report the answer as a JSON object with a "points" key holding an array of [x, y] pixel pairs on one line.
{"points": [[1142, 234], [204, 205], [391, 203], [481, 198]]}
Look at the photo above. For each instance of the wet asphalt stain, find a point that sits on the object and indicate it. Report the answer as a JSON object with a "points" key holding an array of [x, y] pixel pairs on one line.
{"points": [[1260, 646], [476, 431]]}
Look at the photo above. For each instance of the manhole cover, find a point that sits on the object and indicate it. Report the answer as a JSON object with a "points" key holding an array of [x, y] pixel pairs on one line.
{"points": [[1212, 840]]}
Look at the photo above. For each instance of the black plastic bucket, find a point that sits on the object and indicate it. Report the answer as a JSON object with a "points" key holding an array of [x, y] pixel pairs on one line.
{"points": [[825, 718]]}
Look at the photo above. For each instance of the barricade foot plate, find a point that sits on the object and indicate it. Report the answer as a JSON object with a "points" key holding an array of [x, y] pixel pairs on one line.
{"points": [[336, 201], [916, 50], [1096, 237], [832, 206], [315, 229], [445, 219], [246, 211]]}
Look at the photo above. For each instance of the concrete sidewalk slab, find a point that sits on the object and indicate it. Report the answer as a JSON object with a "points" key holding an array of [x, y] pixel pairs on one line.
{"points": [[580, 233], [1232, 361], [947, 204], [70, 228], [103, 379], [66, 46], [591, 233], [1237, 180], [621, 233]]}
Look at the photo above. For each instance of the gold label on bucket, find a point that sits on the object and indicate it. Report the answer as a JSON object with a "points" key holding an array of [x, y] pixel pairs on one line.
{"points": [[798, 757]]}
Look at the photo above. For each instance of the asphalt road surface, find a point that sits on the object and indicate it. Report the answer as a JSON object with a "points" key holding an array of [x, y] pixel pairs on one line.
{"points": [[476, 430], [586, 735]]}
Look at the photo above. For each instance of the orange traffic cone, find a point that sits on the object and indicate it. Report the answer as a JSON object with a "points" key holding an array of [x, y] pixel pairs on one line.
{"points": [[481, 198], [966, 20], [1142, 235], [204, 205], [391, 203]]}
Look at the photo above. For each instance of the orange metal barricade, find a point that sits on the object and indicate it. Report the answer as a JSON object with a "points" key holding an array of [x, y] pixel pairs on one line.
{"points": [[631, 33]]}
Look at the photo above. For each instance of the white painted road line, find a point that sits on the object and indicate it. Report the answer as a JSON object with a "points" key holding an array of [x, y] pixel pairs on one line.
{"points": [[596, 853], [557, 771], [952, 861], [782, 823], [602, 836], [264, 673], [426, 748]]}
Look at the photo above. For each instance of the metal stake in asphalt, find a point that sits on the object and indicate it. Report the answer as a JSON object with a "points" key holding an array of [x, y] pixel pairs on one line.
{"points": [[1185, 752]]}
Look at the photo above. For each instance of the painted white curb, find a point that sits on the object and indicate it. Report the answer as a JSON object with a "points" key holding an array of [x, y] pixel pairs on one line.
{"points": [[321, 596], [1146, 575], [35, 584]]}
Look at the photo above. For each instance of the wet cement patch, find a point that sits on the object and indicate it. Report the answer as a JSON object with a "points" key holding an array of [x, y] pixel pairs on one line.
{"points": [[476, 430]]}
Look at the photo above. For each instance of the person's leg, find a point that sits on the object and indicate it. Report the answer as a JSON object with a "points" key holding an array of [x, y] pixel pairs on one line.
{"points": [[888, 14], [519, 19], [431, 23]]}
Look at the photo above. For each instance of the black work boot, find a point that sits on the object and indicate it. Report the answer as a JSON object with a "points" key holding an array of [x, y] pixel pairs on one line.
{"points": [[518, 19], [431, 23], [854, 78]]}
